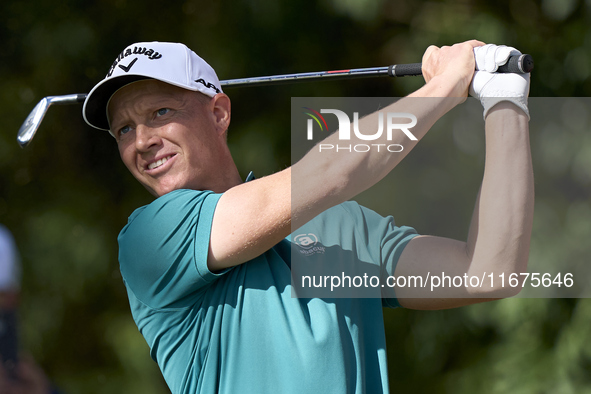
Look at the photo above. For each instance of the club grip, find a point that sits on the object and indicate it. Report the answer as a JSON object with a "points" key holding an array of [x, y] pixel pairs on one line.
{"points": [[403, 70], [519, 64]]}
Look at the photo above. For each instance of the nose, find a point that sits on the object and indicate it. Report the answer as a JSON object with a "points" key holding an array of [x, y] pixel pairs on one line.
{"points": [[146, 138]]}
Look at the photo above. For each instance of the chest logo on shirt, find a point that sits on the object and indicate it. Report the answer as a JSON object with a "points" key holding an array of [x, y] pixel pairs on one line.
{"points": [[308, 244]]}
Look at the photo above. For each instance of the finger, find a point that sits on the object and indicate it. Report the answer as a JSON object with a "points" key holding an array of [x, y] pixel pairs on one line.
{"points": [[426, 66], [428, 52], [474, 43], [485, 58], [489, 58], [503, 53]]}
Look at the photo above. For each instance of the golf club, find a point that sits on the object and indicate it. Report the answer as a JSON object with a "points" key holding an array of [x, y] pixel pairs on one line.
{"points": [[516, 64]]}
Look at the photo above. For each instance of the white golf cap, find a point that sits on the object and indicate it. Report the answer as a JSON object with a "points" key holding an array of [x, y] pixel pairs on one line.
{"points": [[167, 62]]}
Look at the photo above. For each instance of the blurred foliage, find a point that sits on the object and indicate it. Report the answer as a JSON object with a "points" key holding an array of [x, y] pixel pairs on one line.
{"points": [[67, 195]]}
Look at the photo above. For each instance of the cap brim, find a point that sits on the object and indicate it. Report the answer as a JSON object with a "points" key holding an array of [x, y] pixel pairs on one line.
{"points": [[95, 106]]}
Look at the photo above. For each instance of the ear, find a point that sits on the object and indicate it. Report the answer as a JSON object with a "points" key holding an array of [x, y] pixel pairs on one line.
{"points": [[221, 109]]}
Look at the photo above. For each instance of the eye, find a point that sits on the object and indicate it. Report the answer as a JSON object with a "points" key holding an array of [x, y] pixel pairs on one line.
{"points": [[162, 112], [124, 130]]}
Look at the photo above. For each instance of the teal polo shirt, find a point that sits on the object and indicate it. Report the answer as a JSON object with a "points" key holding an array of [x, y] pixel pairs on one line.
{"points": [[242, 330]]}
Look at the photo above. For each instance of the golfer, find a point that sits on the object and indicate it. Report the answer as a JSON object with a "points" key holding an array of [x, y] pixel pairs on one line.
{"points": [[207, 265]]}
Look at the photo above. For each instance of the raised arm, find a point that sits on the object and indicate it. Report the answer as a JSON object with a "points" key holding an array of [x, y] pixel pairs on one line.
{"points": [[252, 217], [500, 231]]}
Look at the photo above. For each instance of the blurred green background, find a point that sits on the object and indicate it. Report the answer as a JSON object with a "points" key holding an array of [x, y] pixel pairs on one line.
{"points": [[67, 195]]}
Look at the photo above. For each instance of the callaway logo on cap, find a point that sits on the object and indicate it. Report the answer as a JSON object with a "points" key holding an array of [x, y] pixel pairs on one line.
{"points": [[167, 62]]}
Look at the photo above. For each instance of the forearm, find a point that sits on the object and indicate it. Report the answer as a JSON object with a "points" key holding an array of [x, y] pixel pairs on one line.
{"points": [[501, 226], [244, 227], [326, 178], [290, 198]]}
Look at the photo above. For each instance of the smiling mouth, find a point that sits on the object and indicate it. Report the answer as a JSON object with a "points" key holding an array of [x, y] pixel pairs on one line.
{"points": [[158, 163]]}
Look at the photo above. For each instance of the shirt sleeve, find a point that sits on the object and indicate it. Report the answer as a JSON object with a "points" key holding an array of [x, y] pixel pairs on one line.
{"points": [[346, 249], [385, 242], [163, 249]]}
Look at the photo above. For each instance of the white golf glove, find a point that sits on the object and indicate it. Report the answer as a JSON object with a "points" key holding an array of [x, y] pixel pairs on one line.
{"points": [[491, 87]]}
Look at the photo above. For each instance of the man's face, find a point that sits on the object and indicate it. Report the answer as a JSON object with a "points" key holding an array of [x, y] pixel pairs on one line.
{"points": [[169, 138]]}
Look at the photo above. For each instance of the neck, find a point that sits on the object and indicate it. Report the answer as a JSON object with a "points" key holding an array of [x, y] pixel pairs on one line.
{"points": [[229, 178]]}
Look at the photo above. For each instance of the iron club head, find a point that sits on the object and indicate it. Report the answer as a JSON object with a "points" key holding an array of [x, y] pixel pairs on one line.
{"points": [[33, 121]]}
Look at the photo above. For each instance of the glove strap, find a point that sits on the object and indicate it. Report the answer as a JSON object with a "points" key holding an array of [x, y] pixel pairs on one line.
{"points": [[489, 102]]}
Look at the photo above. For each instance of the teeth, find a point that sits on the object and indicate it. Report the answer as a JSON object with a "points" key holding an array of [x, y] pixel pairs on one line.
{"points": [[158, 163]]}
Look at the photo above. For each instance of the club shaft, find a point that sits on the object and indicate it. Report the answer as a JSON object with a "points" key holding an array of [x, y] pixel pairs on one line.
{"points": [[67, 99], [519, 64], [413, 69], [310, 77], [515, 64]]}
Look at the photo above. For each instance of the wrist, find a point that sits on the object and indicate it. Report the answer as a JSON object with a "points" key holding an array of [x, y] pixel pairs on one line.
{"points": [[441, 86], [507, 111], [494, 88], [518, 105]]}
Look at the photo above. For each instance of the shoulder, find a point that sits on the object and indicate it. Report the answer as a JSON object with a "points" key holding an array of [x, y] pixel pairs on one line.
{"points": [[176, 200], [345, 223], [172, 207], [354, 223], [163, 247], [355, 214], [177, 214]]}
